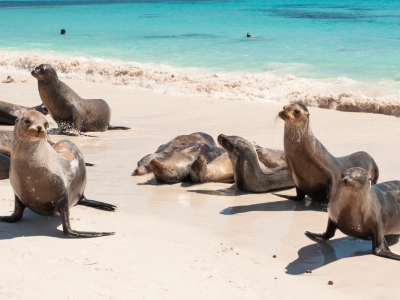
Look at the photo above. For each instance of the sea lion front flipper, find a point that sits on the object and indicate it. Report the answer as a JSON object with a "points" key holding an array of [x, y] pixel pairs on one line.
{"points": [[328, 234], [89, 165], [19, 208], [380, 248], [198, 170], [299, 195], [96, 204], [64, 212], [111, 127]]}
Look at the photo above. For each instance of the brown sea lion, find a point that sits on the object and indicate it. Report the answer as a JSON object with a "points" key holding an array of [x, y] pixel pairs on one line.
{"points": [[71, 113], [366, 212], [177, 168], [250, 174], [4, 166], [313, 168], [49, 180], [220, 169], [171, 148], [10, 112]]}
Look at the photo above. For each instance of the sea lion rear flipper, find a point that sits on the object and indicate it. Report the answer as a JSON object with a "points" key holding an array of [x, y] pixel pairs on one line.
{"points": [[89, 165], [64, 212], [111, 127], [299, 195], [19, 208], [96, 204]]}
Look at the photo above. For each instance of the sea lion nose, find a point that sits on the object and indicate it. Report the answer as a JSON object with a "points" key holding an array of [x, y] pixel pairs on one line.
{"points": [[39, 128]]}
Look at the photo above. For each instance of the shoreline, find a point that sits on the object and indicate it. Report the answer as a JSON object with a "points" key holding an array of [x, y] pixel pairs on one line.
{"points": [[344, 94], [178, 241]]}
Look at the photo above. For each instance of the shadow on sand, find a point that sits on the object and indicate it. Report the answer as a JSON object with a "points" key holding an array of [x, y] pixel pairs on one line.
{"points": [[320, 254]]}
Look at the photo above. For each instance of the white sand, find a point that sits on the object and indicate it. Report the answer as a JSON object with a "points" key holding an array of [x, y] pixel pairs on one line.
{"points": [[172, 243]]}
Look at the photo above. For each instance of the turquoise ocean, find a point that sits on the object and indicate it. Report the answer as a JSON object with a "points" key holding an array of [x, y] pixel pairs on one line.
{"points": [[321, 51]]}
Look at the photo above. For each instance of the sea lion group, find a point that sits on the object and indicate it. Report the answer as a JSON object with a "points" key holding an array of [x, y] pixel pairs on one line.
{"points": [[50, 178]]}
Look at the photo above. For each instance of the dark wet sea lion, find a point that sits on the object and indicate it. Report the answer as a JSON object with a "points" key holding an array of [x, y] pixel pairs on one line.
{"points": [[10, 112], [220, 169], [177, 168], [366, 212], [173, 147], [71, 113], [250, 174], [313, 168], [47, 179]]}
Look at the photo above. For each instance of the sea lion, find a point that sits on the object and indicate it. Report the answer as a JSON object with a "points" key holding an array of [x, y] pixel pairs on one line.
{"points": [[177, 168], [4, 166], [220, 169], [71, 113], [47, 179], [250, 174], [366, 212], [10, 112], [313, 168], [171, 148], [6, 138]]}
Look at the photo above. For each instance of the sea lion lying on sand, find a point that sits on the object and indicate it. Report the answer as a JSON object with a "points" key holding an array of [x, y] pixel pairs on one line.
{"points": [[10, 112], [220, 169], [251, 175], [49, 180], [171, 148], [177, 168], [366, 212], [71, 113], [313, 168]]}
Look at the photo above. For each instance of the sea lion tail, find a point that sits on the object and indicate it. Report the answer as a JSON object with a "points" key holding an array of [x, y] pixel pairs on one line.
{"points": [[96, 204], [111, 127], [198, 171]]}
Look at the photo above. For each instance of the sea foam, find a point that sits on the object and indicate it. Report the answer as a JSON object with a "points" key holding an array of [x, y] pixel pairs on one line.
{"points": [[342, 93]]}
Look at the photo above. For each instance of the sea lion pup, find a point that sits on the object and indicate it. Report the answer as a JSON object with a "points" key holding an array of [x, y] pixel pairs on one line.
{"points": [[10, 112], [47, 179], [71, 113], [220, 169], [177, 168], [251, 175], [366, 212], [313, 168], [171, 148]]}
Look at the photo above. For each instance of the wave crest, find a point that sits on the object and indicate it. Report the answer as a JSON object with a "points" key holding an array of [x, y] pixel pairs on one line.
{"points": [[341, 93]]}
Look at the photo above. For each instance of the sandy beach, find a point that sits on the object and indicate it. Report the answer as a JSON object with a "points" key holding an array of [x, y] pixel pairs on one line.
{"points": [[186, 241]]}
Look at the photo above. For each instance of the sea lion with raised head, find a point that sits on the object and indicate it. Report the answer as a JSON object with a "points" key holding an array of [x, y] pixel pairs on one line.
{"points": [[313, 168], [366, 212], [251, 175], [177, 168], [220, 169], [171, 148], [71, 113], [10, 112], [47, 179]]}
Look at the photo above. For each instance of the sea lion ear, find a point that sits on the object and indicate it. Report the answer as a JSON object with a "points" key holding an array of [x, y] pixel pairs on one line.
{"points": [[16, 120]]}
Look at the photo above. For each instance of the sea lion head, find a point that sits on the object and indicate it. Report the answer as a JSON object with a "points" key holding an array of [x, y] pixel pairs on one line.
{"points": [[356, 179], [143, 165], [295, 114], [45, 74], [31, 126], [234, 145]]}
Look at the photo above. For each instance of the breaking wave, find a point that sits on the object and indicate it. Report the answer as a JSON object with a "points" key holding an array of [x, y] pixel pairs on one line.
{"points": [[342, 93]]}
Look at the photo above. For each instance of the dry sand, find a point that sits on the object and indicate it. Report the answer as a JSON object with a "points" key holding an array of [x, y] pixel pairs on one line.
{"points": [[186, 241]]}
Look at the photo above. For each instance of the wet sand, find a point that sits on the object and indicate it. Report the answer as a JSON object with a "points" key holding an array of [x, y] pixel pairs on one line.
{"points": [[186, 241]]}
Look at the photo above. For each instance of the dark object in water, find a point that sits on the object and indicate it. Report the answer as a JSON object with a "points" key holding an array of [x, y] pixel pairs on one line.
{"points": [[62, 31]]}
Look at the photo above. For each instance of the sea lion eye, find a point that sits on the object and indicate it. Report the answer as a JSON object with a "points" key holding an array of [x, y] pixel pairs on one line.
{"points": [[46, 125], [26, 121], [297, 111]]}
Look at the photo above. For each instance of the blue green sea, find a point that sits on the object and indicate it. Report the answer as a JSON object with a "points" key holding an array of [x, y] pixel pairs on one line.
{"points": [[323, 46]]}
